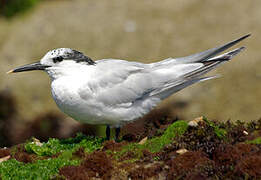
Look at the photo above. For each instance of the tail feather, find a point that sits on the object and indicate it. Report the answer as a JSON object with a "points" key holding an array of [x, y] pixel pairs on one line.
{"points": [[202, 56], [210, 52], [207, 59], [226, 56], [213, 63], [195, 76]]}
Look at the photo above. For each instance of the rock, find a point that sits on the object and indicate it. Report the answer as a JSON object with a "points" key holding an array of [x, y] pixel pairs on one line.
{"points": [[4, 158], [245, 133], [37, 142], [143, 141], [194, 122], [181, 151]]}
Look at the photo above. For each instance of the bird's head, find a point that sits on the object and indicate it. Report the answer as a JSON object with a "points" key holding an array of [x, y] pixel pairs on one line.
{"points": [[57, 59]]}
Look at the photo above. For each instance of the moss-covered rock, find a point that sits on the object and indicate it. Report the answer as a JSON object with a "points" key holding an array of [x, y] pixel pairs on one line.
{"points": [[40, 169], [54, 146], [254, 141], [209, 150]]}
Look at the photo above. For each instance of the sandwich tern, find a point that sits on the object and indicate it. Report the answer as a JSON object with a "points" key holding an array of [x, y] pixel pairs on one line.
{"points": [[114, 92]]}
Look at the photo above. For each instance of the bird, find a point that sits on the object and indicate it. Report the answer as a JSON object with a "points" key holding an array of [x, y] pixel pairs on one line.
{"points": [[114, 92]]}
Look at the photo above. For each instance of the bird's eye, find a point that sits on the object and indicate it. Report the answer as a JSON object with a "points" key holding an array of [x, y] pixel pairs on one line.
{"points": [[57, 59]]}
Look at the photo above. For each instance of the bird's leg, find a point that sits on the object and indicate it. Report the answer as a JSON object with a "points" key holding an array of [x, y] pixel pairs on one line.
{"points": [[117, 133], [108, 132]]}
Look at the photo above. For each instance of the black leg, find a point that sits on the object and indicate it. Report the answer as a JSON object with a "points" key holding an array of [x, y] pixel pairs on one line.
{"points": [[117, 133], [108, 132]]}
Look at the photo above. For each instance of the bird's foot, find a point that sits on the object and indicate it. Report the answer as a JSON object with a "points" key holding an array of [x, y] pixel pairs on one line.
{"points": [[108, 132], [117, 134]]}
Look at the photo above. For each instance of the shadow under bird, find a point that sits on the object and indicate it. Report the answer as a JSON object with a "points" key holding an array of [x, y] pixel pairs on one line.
{"points": [[114, 92]]}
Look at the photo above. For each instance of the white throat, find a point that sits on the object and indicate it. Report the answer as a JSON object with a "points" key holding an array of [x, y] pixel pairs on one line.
{"points": [[68, 69]]}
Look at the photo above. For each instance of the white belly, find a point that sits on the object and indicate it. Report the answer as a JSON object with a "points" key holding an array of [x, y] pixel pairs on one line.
{"points": [[88, 110], [68, 100]]}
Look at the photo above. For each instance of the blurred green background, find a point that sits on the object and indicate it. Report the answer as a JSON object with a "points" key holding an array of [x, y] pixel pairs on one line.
{"points": [[140, 30]]}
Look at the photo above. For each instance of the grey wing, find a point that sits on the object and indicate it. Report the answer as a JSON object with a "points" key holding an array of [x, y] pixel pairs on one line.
{"points": [[124, 83], [117, 83]]}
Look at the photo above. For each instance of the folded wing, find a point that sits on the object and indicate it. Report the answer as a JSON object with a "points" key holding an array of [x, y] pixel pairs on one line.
{"points": [[125, 83]]}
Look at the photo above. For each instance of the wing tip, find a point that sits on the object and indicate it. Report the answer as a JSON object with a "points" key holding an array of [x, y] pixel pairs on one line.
{"points": [[244, 37], [236, 51], [209, 77]]}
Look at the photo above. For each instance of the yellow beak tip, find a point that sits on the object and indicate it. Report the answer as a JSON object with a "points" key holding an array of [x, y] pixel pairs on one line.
{"points": [[9, 72]]}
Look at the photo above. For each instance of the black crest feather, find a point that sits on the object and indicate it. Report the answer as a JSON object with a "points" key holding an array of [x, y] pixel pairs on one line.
{"points": [[79, 57]]}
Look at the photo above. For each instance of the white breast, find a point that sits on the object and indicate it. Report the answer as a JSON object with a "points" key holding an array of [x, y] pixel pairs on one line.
{"points": [[65, 94]]}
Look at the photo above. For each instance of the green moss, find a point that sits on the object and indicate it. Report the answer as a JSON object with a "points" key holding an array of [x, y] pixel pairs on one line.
{"points": [[133, 160], [48, 168], [54, 146], [156, 158], [220, 132], [254, 141], [40, 169], [157, 143]]}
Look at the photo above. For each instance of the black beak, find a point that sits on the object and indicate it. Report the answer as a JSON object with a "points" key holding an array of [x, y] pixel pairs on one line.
{"points": [[29, 67]]}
